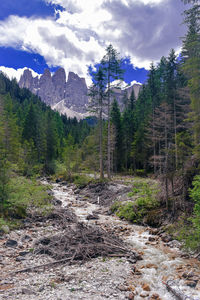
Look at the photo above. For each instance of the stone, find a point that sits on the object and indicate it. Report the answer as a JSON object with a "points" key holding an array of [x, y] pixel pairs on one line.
{"points": [[23, 253], [123, 288], [144, 294], [146, 287], [185, 255], [26, 237], [41, 289], [188, 275], [149, 266], [166, 238], [191, 283], [153, 231], [131, 296], [152, 239], [5, 228], [155, 297], [92, 217], [27, 291], [11, 243], [19, 258]]}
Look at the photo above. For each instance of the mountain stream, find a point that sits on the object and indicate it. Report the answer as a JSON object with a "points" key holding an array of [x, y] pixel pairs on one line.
{"points": [[101, 278]]}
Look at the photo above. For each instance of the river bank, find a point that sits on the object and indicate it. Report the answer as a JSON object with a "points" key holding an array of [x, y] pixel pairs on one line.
{"points": [[158, 261]]}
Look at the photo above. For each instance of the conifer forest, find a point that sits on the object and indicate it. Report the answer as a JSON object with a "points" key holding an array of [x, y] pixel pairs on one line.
{"points": [[149, 147]]}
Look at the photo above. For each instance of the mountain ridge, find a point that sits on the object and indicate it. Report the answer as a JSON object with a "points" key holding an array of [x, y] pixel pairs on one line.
{"points": [[67, 97]]}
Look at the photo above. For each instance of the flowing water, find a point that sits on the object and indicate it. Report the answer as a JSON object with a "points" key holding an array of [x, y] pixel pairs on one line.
{"points": [[160, 263]]}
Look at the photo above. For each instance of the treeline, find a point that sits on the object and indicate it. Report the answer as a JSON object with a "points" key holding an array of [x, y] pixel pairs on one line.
{"points": [[158, 133], [33, 138]]}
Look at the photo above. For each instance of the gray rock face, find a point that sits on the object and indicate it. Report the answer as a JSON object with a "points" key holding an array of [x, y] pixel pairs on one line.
{"points": [[53, 89], [69, 97]]}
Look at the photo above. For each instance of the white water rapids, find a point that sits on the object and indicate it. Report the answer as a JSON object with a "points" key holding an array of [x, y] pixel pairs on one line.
{"points": [[160, 263]]}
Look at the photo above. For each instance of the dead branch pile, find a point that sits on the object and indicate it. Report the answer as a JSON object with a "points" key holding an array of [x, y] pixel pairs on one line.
{"points": [[81, 242], [59, 216]]}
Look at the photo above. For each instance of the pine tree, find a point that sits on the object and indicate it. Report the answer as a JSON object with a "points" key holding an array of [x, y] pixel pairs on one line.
{"points": [[112, 67], [116, 122], [191, 67], [98, 95]]}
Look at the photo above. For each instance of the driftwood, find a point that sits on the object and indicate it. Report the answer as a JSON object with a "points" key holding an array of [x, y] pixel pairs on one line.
{"points": [[59, 262], [59, 216], [81, 243], [174, 289], [40, 266]]}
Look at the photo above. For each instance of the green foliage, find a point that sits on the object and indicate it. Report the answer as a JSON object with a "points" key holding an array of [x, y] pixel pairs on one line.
{"points": [[144, 202], [116, 136], [195, 196], [26, 193], [128, 212], [81, 180], [140, 172], [4, 183], [184, 231]]}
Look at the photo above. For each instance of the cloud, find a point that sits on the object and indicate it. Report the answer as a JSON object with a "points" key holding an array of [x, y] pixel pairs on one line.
{"points": [[147, 31], [12, 73], [135, 82], [142, 29]]}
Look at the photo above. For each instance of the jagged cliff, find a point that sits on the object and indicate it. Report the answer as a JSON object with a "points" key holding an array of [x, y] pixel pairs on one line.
{"points": [[68, 97], [54, 89]]}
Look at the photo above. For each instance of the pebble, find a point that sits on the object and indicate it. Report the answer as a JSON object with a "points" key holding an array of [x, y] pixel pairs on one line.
{"points": [[11, 243]]}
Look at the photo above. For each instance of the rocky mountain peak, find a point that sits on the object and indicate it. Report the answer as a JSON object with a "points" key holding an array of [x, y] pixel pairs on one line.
{"points": [[69, 97], [53, 89], [26, 80], [72, 77], [59, 77]]}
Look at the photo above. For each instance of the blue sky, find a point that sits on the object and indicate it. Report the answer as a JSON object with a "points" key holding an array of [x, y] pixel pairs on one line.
{"points": [[73, 34]]}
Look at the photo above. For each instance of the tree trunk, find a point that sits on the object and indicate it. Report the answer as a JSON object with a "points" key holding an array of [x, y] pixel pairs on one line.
{"points": [[175, 137], [108, 149], [100, 142]]}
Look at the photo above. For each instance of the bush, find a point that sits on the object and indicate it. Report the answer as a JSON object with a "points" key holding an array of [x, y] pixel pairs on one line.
{"points": [[25, 193], [140, 172], [128, 212], [195, 196], [144, 202], [81, 180]]}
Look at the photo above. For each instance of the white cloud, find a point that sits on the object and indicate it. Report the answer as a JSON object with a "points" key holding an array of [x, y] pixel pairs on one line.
{"points": [[142, 29], [135, 82], [12, 73]]}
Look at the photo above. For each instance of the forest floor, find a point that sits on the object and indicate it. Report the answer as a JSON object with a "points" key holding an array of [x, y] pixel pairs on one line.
{"points": [[104, 258]]}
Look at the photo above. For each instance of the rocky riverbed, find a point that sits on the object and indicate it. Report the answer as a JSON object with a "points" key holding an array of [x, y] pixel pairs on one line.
{"points": [[162, 271]]}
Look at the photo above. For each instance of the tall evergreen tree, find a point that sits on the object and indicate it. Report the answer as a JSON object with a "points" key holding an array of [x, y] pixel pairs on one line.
{"points": [[112, 67], [116, 122], [98, 95], [191, 67]]}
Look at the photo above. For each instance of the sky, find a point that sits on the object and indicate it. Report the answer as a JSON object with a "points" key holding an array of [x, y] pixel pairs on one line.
{"points": [[74, 34]]}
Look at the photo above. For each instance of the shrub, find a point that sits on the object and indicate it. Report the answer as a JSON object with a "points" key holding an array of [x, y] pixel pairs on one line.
{"points": [[144, 202], [25, 193]]}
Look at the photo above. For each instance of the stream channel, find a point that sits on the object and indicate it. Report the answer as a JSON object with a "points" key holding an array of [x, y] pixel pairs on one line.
{"points": [[101, 278]]}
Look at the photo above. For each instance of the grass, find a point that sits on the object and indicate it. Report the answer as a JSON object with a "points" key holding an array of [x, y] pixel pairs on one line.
{"points": [[142, 201], [23, 194]]}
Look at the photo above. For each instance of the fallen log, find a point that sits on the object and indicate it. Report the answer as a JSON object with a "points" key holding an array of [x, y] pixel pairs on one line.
{"points": [[41, 266], [176, 291]]}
